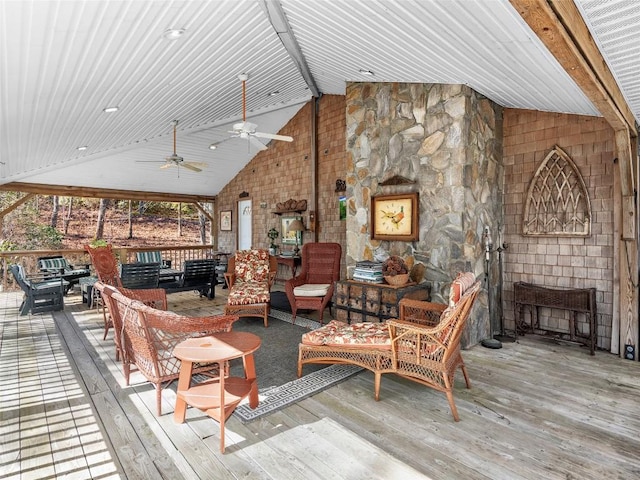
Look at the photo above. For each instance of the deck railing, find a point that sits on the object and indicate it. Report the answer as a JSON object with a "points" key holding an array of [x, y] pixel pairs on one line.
{"points": [[29, 258]]}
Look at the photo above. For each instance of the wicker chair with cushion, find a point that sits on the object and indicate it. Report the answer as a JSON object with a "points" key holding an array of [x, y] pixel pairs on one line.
{"points": [[250, 276], [153, 297], [417, 346], [150, 335], [313, 288]]}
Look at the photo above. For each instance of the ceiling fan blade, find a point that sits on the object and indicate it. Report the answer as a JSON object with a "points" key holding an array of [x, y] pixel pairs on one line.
{"points": [[190, 166], [273, 136], [257, 143], [196, 164]]}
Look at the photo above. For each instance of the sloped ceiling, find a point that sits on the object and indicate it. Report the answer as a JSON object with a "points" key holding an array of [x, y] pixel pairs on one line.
{"points": [[62, 62]]}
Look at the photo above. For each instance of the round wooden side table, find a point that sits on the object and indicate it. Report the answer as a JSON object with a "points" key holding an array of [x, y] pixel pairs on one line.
{"points": [[218, 397]]}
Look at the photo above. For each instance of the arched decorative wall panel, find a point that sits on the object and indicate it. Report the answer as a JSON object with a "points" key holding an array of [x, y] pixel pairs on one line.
{"points": [[557, 202]]}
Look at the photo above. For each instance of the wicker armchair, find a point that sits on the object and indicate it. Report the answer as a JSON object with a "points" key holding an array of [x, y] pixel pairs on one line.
{"points": [[431, 355], [313, 288], [105, 264], [150, 336], [153, 297], [423, 345], [250, 276]]}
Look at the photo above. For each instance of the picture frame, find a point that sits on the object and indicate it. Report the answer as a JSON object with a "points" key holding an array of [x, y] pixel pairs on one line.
{"points": [[225, 220], [395, 217], [289, 238], [342, 207]]}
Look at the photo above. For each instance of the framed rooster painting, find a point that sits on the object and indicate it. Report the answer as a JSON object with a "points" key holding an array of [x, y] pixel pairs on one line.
{"points": [[395, 217]]}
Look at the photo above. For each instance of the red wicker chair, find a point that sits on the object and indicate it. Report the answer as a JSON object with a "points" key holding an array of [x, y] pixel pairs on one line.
{"points": [[105, 265], [150, 335], [313, 288], [153, 297]]}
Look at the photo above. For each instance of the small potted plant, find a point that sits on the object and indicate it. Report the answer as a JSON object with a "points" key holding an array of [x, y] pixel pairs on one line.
{"points": [[273, 234]]}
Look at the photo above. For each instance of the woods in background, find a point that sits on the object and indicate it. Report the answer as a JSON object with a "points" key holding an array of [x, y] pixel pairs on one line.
{"points": [[31, 222]]}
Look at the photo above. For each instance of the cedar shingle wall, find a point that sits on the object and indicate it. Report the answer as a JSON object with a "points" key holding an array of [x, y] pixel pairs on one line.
{"points": [[554, 261], [284, 171]]}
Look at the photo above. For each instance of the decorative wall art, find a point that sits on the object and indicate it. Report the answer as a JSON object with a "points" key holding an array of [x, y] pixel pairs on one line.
{"points": [[557, 202], [225, 220], [395, 217]]}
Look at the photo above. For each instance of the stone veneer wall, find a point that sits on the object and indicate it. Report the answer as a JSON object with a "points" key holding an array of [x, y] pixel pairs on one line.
{"points": [[448, 139], [284, 171], [560, 261]]}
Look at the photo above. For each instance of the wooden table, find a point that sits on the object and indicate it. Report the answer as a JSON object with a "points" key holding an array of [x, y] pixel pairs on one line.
{"points": [[219, 397], [291, 261]]}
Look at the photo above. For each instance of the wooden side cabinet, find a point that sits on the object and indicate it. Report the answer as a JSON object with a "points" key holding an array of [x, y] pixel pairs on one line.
{"points": [[373, 302]]}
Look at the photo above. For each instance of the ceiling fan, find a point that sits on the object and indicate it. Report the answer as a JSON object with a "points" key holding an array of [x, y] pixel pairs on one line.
{"points": [[175, 160], [246, 129]]}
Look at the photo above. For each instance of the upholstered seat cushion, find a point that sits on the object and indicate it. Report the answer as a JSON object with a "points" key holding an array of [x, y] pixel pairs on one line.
{"points": [[311, 290], [249, 293], [362, 335]]}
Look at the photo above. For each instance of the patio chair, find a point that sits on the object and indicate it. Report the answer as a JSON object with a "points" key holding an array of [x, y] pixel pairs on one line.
{"points": [[150, 335], [152, 257], [422, 346], [105, 264], [40, 294], [153, 297], [58, 266], [106, 267], [313, 288], [250, 276], [140, 275], [199, 275]]}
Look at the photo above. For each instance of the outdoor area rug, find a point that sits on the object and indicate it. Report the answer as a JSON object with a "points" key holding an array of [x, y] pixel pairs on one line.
{"points": [[275, 398], [277, 362]]}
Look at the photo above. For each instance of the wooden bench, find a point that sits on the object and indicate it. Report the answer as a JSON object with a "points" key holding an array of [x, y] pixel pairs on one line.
{"points": [[198, 275]]}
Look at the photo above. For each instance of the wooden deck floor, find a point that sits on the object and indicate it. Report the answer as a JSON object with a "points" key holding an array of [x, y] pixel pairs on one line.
{"points": [[536, 410]]}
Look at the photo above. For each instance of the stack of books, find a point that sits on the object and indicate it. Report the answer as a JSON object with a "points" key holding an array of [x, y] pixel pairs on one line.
{"points": [[367, 271]]}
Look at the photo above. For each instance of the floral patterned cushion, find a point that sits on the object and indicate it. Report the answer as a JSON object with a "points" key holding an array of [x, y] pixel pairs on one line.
{"points": [[252, 266], [249, 293], [365, 334]]}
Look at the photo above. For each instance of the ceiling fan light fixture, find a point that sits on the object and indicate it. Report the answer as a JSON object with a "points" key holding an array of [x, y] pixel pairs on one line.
{"points": [[173, 33], [110, 109]]}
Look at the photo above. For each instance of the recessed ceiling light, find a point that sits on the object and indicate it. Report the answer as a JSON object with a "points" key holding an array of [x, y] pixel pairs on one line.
{"points": [[82, 148], [173, 33], [213, 146], [110, 109], [273, 94], [368, 73]]}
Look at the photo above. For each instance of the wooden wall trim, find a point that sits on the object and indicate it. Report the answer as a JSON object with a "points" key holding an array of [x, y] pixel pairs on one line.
{"points": [[88, 192]]}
